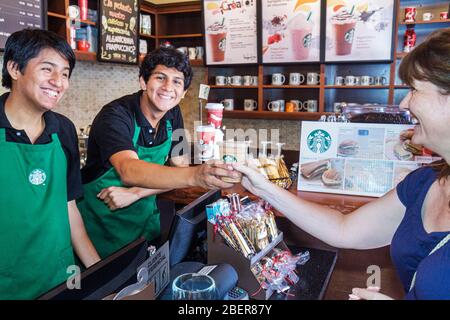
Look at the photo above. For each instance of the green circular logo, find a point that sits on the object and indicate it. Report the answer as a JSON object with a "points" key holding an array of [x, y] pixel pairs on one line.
{"points": [[319, 141], [229, 158]]}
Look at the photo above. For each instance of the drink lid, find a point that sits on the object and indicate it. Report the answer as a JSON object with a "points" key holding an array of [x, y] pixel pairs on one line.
{"points": [[207, 128], [214, 106]]}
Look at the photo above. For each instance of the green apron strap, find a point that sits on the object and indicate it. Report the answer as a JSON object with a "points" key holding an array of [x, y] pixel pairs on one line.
{"points": [[2, 135], [137, 131]]}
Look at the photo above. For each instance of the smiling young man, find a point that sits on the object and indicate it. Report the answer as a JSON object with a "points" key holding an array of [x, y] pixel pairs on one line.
{"points": [[129, 142], [40, 224]]}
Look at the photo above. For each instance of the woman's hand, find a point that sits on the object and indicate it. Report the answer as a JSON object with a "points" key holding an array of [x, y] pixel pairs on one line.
{"points": [[252, 180], [371, 293], [118, 197]]}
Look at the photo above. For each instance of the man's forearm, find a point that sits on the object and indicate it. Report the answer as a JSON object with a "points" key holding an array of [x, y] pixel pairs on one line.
{"points": [[144, 192]]}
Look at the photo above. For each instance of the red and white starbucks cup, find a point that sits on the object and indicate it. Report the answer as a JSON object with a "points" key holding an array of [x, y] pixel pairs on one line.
{"points": [[205, 136], [83, 4], [410, 14], [443, 15], [215, 114]]}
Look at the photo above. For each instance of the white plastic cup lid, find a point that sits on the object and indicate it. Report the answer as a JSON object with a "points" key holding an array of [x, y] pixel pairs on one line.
{"points": [[214, 106]]}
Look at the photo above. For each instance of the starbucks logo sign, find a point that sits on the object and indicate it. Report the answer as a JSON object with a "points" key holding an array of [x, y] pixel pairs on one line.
{"points": [[319, 141], [37, 177], [348, 37], [307, 40], [222, 44]]}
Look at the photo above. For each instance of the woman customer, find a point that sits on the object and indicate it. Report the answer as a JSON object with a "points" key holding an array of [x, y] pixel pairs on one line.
{"points": [[414, 218]]}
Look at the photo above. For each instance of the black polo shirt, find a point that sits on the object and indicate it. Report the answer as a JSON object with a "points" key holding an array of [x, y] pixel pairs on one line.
{"points": [[67, 134], [113, 128]]}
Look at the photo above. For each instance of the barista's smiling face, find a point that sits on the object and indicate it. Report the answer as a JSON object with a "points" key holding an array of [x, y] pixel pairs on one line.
{"points": [[164, 89]]}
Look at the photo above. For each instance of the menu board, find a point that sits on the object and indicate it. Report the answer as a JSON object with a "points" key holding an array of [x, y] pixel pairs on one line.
{"points": [[118, 36], [359, 30], [290, 31], [355, 158], [18, 15], [230, 31]]}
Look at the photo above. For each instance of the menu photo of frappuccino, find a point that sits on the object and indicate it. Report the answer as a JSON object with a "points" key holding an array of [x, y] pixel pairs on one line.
{"points": [[359, 30], [290, 31], [230, 31]]}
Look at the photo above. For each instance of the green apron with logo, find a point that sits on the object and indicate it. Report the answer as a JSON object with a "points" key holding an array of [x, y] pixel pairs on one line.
{"points": [[111, 230], [35, 245]]}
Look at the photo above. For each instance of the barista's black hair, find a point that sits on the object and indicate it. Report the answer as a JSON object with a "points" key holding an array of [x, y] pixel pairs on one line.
{"points": [[24, 45], [169, 57]]}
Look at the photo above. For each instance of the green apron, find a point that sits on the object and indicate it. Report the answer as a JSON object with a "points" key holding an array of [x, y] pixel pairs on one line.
{"points": [[111, 230], [35, 245]]}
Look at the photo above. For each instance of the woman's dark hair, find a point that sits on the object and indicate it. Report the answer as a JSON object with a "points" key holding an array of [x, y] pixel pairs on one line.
{"points": [[430, 61], [169, 57], [21, 46]]}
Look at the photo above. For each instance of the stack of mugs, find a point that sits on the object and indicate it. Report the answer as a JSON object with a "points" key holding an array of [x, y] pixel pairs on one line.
{"points": [[296, 79], [237, 80], [360, 81]]}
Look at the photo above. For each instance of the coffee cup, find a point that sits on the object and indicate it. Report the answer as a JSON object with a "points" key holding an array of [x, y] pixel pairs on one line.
{"points": [[192, 53], [250, 104], [312, 78], [183, 50], [282, 104], [357, 80], [380, 81], [311, 105], [337, 107], [427, 16], [278, 79], [298, 106], [254, 80], [410, 14], [350, 80], [228, 104], [221, 80], [200, 52], [83, 45], [296, 78], [339, 81], [215, 114], [290, 107], [247, 80], [274, 106], [235, 80], [443, 15], [205, 136], [367, 80], [233, 152]]}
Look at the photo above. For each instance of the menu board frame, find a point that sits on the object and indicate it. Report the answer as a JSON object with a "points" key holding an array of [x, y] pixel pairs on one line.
{"points": [[44, 19], [287, 33], [365, 159], [254, 57], [365, 56], [101, 44]]}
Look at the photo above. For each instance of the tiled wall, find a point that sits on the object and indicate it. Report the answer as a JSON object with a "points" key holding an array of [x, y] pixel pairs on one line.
{"points": [[94, 84]]}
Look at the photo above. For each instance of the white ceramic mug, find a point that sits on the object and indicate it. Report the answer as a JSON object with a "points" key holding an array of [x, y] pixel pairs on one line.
{"points": [[250, 104], [221, 80], [339, 81], [234, 80], [274, 106], [427, 16], [311, 105], [337, 107], [254, 80], [312, 78], [380, 81], [296, 78], [183, 50], [192, 53], [278, 79], [350, 80], [247, 80], [367, 80], [228, 104], [200, 52]]}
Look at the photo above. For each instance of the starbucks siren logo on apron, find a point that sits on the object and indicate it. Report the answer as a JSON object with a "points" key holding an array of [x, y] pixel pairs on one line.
{"points": [[37, 177]]}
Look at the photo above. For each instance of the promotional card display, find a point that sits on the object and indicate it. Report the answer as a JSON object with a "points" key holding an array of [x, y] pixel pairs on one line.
{"points": [[356, 158], [359, 30], [230, 31], [290, 31], [118, 37]]}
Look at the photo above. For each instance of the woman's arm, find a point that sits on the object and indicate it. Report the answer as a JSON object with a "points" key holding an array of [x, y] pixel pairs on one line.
{"points": [[80, 240], [371, 226]]}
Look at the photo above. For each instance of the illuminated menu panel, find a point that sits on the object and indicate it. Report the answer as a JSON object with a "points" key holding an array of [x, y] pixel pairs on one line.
{"points": [[17, 15]]}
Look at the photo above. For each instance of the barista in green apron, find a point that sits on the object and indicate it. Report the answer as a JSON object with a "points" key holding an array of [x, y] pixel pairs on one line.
{"points": [[109, 231], [129, 142], [40, 226]]}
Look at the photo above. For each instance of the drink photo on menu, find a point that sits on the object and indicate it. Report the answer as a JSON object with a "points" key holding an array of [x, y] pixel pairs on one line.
{"points": [[359, 30]]}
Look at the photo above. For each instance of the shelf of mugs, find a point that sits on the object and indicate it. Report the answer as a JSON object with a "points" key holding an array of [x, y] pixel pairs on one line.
{"points": [[190, 35], [357, 87], [232, 87], [306, 86], [296, 115], [426, 22]]}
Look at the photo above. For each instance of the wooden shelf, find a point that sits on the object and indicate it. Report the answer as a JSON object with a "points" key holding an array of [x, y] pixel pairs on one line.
{"points": [[192, 35], [56, 15], [85, 22], [196, 62], [357, 87], [401, 55], [149, 36], [232, 87], [426, 22], [267, 86], [401, 86], [146, 10], [85, 55], [240, 114]]}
